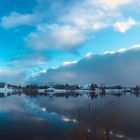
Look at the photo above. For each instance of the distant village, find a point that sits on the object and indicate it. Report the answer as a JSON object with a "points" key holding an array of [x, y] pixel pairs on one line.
{"points": [[67, 88]]}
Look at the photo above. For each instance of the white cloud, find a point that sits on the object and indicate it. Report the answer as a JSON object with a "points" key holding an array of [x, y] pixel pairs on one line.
{"points": [[20, 68], [56, 36], [118, 68], [123, 26], [15, 19], [112, 4], [8, 71], [29, 60], [68, 63], [89, 54], [66, 35], [12, 75], [72, 24], [69, 30], [84, 16], [109, 52], [135, 47], [98, 26], [122, 50], [78, 22]]}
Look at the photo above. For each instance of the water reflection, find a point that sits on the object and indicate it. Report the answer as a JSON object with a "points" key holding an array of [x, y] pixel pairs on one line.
{"points": [[88, 116]]}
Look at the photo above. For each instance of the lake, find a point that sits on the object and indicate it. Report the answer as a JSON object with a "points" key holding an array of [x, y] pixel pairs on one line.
{"points": [[74, 117]]}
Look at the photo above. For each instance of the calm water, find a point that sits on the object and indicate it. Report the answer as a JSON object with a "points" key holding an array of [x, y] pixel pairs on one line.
{"points": [[59, 117]]}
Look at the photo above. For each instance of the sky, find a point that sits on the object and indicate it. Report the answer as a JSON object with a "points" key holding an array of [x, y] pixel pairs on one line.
{"points": [[51, 40]]}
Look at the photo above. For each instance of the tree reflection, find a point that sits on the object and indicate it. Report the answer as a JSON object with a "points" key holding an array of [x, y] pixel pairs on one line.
{"points": [[93, 95], [136, 91]]}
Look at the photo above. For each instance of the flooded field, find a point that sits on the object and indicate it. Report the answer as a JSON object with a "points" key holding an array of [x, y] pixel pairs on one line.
{"points": [[70, 117]]}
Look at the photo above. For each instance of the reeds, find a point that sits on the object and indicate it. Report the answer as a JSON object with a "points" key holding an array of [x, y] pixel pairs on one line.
{"points": [[93, 127]]}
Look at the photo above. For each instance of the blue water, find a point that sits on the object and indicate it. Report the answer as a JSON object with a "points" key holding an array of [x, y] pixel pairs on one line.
{"points": [[40, 117]]}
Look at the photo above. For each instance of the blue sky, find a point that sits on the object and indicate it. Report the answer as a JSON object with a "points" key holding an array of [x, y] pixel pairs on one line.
{"points": [[37, 35]]}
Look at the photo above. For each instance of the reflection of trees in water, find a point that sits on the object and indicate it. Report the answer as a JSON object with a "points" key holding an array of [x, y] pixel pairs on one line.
{"points": [[136, 91], [136, 94], [100, 91], [93, 95], [67, 95], [5, 94], [119, 94]]}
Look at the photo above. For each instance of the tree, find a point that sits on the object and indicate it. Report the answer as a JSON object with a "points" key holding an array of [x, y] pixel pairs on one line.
{"points": [[2, 84], [93, 87]]}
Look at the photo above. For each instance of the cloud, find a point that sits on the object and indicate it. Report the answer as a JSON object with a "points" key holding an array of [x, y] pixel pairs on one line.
{"points": [[135, 47], [71, 25], [122, 50], [66, 26], [68, 63], [29, 60], [121, 67], [20, 68], [12, 75], [16, 19], [111, 4], [55, 36], [78, 22], [123, 26], [118, 51], [89, 54]]}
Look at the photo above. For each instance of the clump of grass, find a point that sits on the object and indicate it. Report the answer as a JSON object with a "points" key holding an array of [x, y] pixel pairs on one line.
{"points": [[92, 127]]}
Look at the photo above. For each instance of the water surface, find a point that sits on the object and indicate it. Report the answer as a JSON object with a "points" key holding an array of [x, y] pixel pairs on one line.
{"points": [[59, 117]]}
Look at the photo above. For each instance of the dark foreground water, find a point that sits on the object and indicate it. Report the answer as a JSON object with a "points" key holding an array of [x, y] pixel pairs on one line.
{"points": [[83, 117]]}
